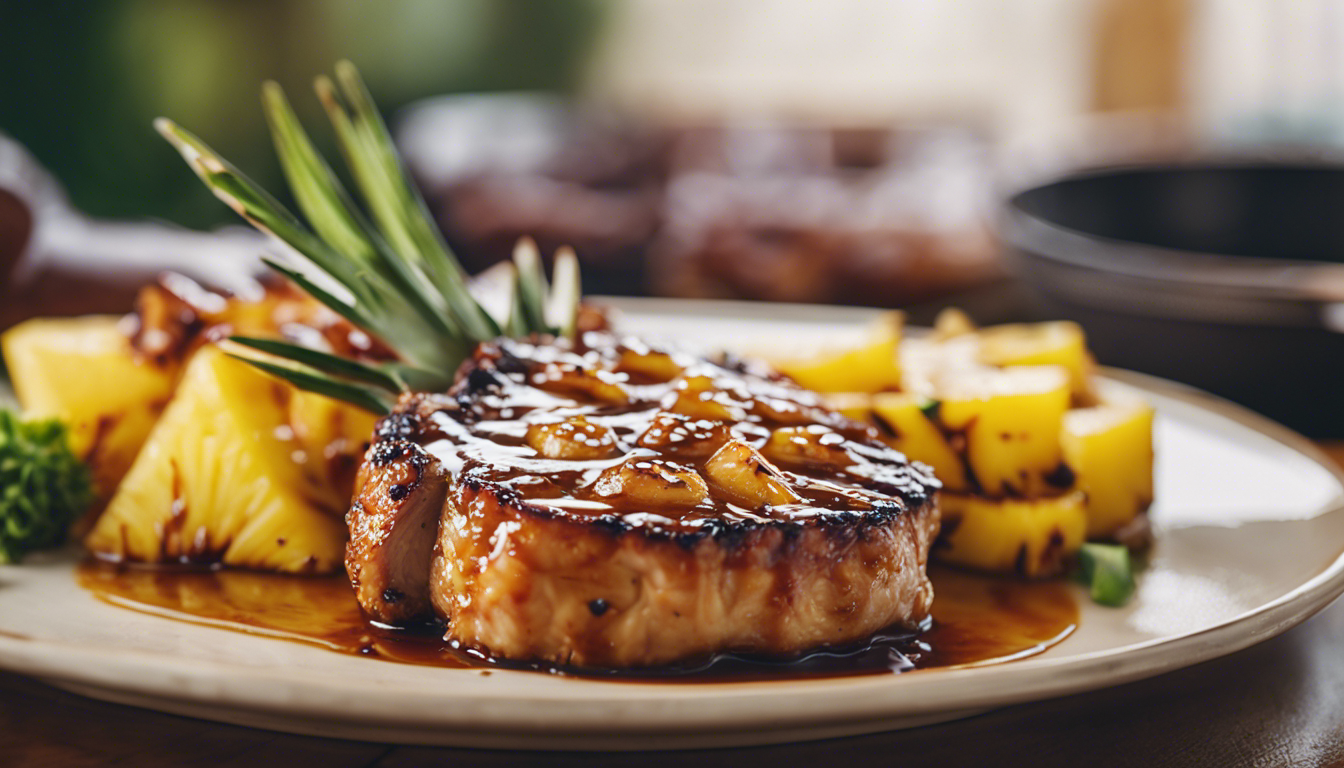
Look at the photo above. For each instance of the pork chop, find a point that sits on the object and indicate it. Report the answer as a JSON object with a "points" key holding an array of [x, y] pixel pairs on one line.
{"points": [[608, 504]]}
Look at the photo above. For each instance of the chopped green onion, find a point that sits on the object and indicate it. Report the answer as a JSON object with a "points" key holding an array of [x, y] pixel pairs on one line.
{"points": [[1107, 572], [929, 407]]}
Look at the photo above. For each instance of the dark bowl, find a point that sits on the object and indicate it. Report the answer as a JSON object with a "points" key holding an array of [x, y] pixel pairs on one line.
{"points": [[1227, 275]]}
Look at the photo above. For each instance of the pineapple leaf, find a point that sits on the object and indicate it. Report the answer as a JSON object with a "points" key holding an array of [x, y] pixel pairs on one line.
{"points": [[314, 380], [530, 287], [313, 183], [562, 308], [442, 266], [326, 363], [384, 266], [256, 205], [415, 379], [396, 206], [332, 213]]}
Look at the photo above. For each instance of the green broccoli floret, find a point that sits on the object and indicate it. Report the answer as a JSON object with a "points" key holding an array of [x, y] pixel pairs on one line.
{"points": [[43, 487]]}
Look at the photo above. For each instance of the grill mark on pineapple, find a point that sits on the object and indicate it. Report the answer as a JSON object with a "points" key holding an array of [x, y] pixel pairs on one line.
{"points": [[884, 426], [101, 430], [957, 440], [1054, 548], [170, 531], [1062, 477], [172, 543], [948, 528]]}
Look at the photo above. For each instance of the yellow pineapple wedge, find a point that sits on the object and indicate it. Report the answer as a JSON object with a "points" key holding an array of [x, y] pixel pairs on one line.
{"points": [[84, 372], [873, 366], [1057, 343], [1109, 447], [224, 478], [1011, 419], [904, 424], [1029, 537]]}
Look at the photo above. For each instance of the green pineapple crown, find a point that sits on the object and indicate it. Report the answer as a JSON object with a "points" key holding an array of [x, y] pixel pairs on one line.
{"points": [[384, 267]]}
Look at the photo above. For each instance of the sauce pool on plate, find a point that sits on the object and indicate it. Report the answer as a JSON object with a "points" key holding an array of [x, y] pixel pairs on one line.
{"points": [[976, 620]]}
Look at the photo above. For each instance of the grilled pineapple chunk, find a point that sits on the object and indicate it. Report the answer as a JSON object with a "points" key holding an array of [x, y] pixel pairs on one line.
{"points": [[906, 426], [219, 480], [872, 367], [1109, 447], [1011, 419], [1057, 343], [332, 436], [1030, 537], [84, 372], [952, 322]]}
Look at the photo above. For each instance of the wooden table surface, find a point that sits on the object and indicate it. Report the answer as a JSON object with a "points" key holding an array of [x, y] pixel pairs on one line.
{"points": [[1280, 703]]}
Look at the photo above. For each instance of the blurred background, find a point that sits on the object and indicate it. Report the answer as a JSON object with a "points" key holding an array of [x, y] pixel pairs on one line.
{"points": [[852, 151]]}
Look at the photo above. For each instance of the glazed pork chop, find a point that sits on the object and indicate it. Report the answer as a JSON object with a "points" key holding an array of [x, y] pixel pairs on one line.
{"points": [[607, 504]]}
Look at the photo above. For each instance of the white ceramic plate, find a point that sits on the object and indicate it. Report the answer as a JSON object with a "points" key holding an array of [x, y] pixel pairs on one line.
{"points": [[1249, 543]]}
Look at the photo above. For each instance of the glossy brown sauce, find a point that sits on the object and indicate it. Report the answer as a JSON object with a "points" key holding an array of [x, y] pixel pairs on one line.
{"points": [[663, 414], [976, 620]]}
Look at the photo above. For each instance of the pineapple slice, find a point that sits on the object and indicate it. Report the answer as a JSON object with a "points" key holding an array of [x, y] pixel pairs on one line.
{"points": [[951, 323], [1057, 343], [1110, 449], [872, 367], [332, 437], [1029, 537], [745, 475], [1011, 419], [906, 426], [84, 372], [219, 481]]}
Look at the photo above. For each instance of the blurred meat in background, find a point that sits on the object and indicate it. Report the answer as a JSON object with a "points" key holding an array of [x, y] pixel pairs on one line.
{"points": [[873, 217], [783, 212]]}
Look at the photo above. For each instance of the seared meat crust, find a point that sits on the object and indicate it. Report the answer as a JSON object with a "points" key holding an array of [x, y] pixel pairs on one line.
{"points": [[616, 506], [394, 521], [573, 593]]}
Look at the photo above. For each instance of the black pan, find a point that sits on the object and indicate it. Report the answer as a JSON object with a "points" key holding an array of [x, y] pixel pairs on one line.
{"points": [[1228, 275]]}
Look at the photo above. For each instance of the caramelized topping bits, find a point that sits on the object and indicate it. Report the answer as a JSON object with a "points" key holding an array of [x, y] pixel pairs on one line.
{"points": [[616, 430], [577, 439], [747, 478], [653, 482]]}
